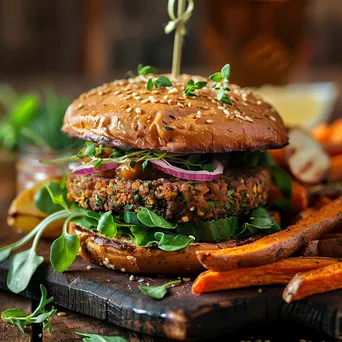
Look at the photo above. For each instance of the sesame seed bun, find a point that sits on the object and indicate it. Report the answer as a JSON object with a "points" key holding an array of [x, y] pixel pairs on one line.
{"points": [[125, 114]]}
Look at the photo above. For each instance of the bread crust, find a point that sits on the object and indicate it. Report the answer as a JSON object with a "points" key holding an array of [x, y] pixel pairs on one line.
{"points": [[125, 114], [122, 255]]}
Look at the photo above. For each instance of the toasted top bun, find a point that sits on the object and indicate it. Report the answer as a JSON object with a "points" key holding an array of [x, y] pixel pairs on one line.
{"points": [[125, 114]]}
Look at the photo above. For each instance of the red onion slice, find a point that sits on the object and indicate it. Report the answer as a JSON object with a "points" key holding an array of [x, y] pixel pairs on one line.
{"points": [[91, 170], [188, 174]]}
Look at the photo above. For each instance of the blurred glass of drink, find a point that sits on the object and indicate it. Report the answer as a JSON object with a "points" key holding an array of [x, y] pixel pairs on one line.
{"points": [[261, 39]]}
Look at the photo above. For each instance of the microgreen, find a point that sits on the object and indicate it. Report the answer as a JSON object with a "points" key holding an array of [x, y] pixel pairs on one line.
{"points": [[158, 292], [21, 319], [170, 242], [191, 86], [161, 81], [222, 77], [87, 337], [106, 225]]}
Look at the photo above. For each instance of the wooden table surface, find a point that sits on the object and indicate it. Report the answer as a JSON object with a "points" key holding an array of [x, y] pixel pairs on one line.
{"points": [[66, 323]]}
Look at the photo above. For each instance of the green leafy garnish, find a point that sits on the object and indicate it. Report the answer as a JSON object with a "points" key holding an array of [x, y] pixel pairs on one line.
{"points": [[191, 86], [161, 81], [215, 230], [87, 337], [260, 220], [142, 70], [151, 219], [21, 319], [222, 78], [106, 225], [157, 292], [171, 242], [43, 201]]}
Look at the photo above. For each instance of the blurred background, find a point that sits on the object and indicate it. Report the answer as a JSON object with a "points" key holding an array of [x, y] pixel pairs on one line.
{"points": [[290, 51]]}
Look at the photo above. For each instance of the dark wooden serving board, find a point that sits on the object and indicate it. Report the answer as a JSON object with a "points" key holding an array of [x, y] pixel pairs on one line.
{"points": [[112, 297]]}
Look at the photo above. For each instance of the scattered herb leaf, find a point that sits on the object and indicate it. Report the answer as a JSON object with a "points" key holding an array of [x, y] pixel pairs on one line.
{"points": [[191, 86], [87, 337], [157, 292], [21, 319]]}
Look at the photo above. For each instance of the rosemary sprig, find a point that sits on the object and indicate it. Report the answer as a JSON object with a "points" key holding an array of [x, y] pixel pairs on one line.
{"points": [[222, 78]]}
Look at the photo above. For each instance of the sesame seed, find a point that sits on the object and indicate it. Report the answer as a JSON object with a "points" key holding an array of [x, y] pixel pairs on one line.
{"points": [[80, 106], [173, 90], [231, 116], [88, 267], [213, 101], [198, 116], [272, 118], [186, 279], [220, 108], [123, 270], [180, 105], [141, 280], [138, 110], [192, 208], [151, 98], [226, 111], [62, 314], [205, 107], [144, 101], [134, 94], [199, 112], [189, 104], [132, 277], [166, 97], [127, 97], [137, 97], [106, 260], [129, 109], [163, 101], [169, 101], [117, 92], [259, 102], [100, 93], [244, 104], [240, 117], [236, 112], [130, 257], [209, 121], [249, 119], [155, 92]]}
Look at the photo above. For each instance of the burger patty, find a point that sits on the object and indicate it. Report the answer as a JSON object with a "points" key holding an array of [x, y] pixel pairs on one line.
{"points": [[235, 193]]}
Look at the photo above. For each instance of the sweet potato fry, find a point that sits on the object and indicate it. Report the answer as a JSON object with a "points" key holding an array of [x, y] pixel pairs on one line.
{"points": [[299, 198], [321, 132], [335, 170], [321, 201], [335, 132], [321, 280], [275, 246], [279, 272], [324, 248]]}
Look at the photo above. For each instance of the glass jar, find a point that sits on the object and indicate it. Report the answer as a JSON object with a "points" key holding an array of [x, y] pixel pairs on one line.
{"points": [[31, 171]]}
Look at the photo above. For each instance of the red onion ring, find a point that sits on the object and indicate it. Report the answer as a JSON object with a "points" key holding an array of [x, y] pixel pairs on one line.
{"points": [[188, 174], [90, 170]]}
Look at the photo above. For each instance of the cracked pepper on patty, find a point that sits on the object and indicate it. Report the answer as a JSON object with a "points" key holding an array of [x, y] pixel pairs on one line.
{"points": [[236, 192]]}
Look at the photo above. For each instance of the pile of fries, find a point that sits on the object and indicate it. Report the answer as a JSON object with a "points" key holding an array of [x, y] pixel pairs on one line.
{"points": [[307, 255]]}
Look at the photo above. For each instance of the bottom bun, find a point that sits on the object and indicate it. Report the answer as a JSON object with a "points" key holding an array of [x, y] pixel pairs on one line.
{"points": [[123, 255]]}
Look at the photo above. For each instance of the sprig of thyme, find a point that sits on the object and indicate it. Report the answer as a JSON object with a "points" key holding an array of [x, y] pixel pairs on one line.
{"points": [[222, 78], [161, 81], [191, 86], [142, 70]]}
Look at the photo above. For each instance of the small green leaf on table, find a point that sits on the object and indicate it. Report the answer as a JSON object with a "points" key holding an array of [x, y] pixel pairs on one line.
{"points": [[157, 292]]}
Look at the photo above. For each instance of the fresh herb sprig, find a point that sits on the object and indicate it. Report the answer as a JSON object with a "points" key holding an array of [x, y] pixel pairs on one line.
{"points": [[191, 86], [142, 70], [222, 78], [161, 81], [21, 319], [87, 337], [158, 292]]}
